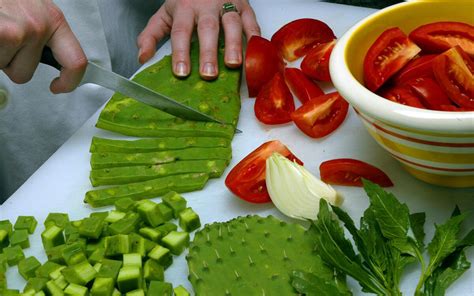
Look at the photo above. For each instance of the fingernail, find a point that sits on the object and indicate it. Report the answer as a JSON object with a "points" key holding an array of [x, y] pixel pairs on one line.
{"points": [[233, 58], [209, 69], [181, 69]]}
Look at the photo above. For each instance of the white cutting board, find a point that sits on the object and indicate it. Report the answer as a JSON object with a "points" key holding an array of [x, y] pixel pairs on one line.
{"points": [[60, 184]]}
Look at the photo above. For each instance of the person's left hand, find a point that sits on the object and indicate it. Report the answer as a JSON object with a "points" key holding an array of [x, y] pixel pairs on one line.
{"points": [[178, 18]]}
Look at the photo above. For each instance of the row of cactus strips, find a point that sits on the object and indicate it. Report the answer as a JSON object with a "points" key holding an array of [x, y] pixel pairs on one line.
{"points": [[174, 154]]}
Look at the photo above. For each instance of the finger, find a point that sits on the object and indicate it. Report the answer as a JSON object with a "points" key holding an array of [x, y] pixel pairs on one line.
{"points": [[24, 63], [157, 28], [181, 31], [249, 21], [208, 34], [233, 39], [12, 41], [70, 56]]}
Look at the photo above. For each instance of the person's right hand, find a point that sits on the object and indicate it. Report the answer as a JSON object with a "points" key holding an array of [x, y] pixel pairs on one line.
{"points": [[26, 26]]}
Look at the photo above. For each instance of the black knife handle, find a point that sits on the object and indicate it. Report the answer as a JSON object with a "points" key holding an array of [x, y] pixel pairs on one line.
{"points": [[47, 58]]}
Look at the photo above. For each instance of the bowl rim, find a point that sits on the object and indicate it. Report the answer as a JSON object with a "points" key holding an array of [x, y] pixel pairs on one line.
{"points": [[385, 110]]}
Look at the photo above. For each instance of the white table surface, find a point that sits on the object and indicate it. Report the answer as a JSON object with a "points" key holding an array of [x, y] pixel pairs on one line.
{"points": [[60, 184]]}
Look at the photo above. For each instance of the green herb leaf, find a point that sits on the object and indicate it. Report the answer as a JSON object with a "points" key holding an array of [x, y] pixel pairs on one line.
{"points": [[468, 240], [453, 267], [391, 215], [417, 224], [311, 284], [444, 241], [337, 251]]}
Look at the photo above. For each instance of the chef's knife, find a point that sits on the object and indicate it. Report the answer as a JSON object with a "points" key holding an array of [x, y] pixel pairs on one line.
{"points": [[98, 75]]}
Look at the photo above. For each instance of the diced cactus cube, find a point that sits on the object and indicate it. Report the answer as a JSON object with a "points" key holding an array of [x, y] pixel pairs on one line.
{"points": [[133, 259], [28, 223], [4, 239], [176, 241], [7, 226], [27, 267], [166, 211], [160, 288], [117, 245], [20, 238], [14, 255], [91, 227], [181, 291], [153, 271], [189, 220], [150, 213], [58, 219], [103, 287], [175, 201], [124, 204], [162, 255], [129, 279], [76, 290], [52, 236]]}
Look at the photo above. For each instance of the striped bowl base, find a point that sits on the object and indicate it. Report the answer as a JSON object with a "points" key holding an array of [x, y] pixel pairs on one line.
{"points": [[440, 159]]}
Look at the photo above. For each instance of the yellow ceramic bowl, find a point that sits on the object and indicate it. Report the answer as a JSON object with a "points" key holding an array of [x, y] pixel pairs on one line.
{"points": [[434, 146]]}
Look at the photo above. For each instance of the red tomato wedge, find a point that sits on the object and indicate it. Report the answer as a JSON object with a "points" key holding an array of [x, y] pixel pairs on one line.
{"points": [[440, 36], [416, 68], [322, 115], [296, 38], [349, 172], [301, 86], [274, 102], [388, 54], [455, 76], [262, 61], [247, 178], [429, 92], [402, 95], [316, 63]]}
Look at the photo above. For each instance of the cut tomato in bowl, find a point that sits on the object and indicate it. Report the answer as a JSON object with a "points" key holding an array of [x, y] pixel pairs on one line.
{"points": [[274, 102], [322, 115], [455, 76], [440, 36], [350, 172], [247, 178], [262, 61], [429, 92], [402, 95], [301, 86], [389, 53], [316, 63], [296, 38], [416, 68]]}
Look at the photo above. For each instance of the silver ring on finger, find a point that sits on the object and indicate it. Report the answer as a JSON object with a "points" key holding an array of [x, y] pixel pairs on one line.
{"points": [[228, 7]]}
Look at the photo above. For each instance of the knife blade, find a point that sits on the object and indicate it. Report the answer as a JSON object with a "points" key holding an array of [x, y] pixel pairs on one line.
{"points": [[101, 76]]}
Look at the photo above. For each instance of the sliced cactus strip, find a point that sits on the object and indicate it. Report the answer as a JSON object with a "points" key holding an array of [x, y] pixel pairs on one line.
{"points": [[108, 160], [124, 175], [155, 144], [251, 256], [219, 98], [146, 189]]}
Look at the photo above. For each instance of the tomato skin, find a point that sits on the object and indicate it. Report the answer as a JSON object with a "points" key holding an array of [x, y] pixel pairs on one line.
{"points": [[301, 86], [440, 36], [322, 115], [274, 102], [349, 172], [296, 38], [262, 61], [416, 68], [429, 92], [402, 95], [455, 76], [316, 63], [247, 178], [388, 54]]}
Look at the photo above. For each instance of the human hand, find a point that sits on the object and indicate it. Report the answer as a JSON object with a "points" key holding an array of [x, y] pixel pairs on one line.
{"points": [[26, 27], [178, 18]]}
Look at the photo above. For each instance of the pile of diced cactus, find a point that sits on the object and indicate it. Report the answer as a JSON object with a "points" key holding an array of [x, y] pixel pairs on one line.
{"points": [[178, 154], [121, 252]]}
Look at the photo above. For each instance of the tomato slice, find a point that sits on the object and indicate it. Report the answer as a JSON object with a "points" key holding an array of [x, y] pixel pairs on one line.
{"points": [[389, 53], [322, 115], [301, 86], [416, 68], [262, 61], [247, 178], [429, 92], [274, 102], [316, 63], [349, 172], [402, 95], [440, 36], [455, 76], [296, 38]]}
